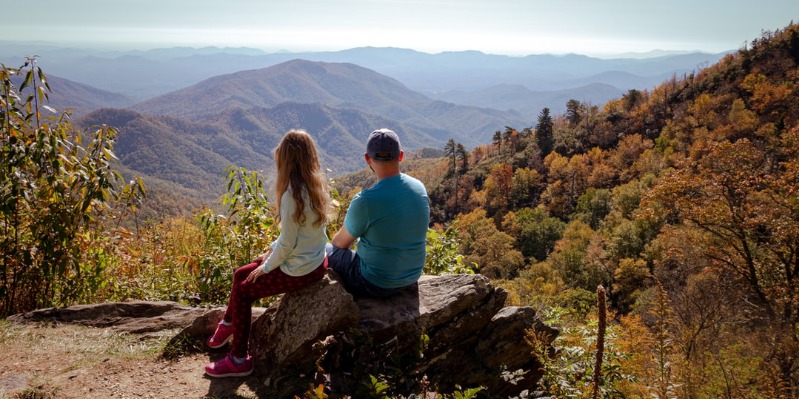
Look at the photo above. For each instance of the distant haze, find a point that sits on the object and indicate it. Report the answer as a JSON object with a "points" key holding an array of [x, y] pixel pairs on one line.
{"points": [[510, 27], [516, 84]]}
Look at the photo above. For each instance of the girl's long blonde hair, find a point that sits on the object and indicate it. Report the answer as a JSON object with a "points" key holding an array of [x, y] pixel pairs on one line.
{"points": [[298, 167]]}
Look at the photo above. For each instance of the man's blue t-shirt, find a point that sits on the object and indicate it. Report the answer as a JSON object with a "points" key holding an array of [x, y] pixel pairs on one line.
{"points": [[390, 219]]}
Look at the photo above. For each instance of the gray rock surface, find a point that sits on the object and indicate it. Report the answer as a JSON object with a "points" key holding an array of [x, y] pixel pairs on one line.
{"points": [[133, 316], [285, 337]]}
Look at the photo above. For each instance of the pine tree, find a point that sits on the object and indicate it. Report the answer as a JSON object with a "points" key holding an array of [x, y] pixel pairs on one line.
{"points": [[450, 152], [544, 135], [573, 112], [463, 155], [497, 141]]}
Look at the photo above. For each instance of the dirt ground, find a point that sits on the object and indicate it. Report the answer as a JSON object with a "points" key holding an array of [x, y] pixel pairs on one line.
{"points": [[71, 361]]}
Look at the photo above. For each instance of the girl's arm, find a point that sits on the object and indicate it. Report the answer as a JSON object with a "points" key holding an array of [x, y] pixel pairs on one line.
{"points": [[287, 240], [262, 257]]}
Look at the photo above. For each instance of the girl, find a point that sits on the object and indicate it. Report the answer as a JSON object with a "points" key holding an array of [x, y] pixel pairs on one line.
{"points": [[296, 259]]}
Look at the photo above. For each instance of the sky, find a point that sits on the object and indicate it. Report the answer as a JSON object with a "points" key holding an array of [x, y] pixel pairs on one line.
{"points": [[509, 27]]}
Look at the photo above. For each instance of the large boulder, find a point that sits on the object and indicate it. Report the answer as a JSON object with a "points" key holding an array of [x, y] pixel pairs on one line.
{"points": [[473, 339], [447, 308], [285, 336], [453, 329]]}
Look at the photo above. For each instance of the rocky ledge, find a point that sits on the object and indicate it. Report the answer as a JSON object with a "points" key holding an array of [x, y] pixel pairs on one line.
{"points": [[449, 330]]}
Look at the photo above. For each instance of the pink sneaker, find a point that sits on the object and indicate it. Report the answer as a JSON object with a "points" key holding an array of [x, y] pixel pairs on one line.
{"points": [[222, 336], [226, 367]]}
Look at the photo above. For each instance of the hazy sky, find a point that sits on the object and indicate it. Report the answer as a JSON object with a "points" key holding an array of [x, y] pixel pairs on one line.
{"points": [[513, 27]]}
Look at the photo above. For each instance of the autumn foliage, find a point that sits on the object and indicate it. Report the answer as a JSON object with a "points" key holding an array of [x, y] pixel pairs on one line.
{"points": [[681, 198]]}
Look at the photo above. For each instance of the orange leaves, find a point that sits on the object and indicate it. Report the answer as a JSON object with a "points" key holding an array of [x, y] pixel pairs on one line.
{"points": [[498, 186], [702, 111], [746, 204], [715, 189], [765, 94]]}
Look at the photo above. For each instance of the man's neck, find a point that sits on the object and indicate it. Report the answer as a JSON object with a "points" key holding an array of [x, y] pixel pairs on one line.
{"points": [[385, 170], [381, 176]]}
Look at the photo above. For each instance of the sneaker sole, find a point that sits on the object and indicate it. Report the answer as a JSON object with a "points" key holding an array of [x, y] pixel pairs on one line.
{"points": [[225, 342], [242, 374]]}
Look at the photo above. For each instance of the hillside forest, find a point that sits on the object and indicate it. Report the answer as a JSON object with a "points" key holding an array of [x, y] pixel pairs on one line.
{"points": [[681, 202]]}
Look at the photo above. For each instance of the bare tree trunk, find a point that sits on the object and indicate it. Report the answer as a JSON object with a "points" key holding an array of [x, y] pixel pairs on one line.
{"points": [[600, 338]]}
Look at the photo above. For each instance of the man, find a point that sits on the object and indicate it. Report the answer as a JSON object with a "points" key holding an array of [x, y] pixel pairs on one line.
{"points": [[389, 221]]}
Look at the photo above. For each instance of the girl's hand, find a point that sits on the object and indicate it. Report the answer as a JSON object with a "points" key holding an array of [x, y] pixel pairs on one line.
{"points": [[258, 272]]}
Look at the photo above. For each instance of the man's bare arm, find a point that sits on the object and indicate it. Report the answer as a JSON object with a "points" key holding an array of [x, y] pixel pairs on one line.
{"points": [[343, 239]]}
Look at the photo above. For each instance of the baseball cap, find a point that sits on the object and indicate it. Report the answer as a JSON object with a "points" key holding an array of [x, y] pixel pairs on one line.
{"points": [[383, 145]]}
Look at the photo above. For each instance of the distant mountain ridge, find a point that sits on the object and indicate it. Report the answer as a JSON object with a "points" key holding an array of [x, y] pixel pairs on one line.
{"points": [[145, 74], [188, 138], [297, 80], [527, 102], [79, 98], [338, 85]]}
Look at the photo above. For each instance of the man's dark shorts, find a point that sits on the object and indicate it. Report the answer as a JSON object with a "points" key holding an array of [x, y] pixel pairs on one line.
{"points": [[347, 264]]}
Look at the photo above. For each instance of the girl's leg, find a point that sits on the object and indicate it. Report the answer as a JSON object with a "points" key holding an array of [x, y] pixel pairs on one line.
{"points": [[238, 277], [224, 330], [244, 294]]}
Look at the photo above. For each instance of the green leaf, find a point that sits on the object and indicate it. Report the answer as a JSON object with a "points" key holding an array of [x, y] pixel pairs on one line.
{"points": [[28, 80]]}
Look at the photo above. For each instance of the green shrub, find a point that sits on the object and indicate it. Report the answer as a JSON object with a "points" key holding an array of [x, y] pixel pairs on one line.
{"points": [[55, 198]]}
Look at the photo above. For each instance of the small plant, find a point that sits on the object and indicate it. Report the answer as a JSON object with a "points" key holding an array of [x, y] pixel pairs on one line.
{"points": [[39, 391], [233, 240], [314, 392], [377, 387], [443, 255], [461, 393], [665, 386], [569, 374]]}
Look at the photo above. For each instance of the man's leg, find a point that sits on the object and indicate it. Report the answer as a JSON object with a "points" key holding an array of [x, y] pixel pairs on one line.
{"points": [[347, 264]]}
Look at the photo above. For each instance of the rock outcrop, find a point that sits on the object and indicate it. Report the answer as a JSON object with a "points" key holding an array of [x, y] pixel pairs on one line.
{"points": [[138, 317], [284, 338], [452, 329]]}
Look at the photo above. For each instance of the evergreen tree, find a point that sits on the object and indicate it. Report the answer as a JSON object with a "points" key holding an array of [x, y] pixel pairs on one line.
{"points": [[544, 135], [497, 141], [507, 137], [463, 156], [573, 112], [454, 152], [450, 152]]}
